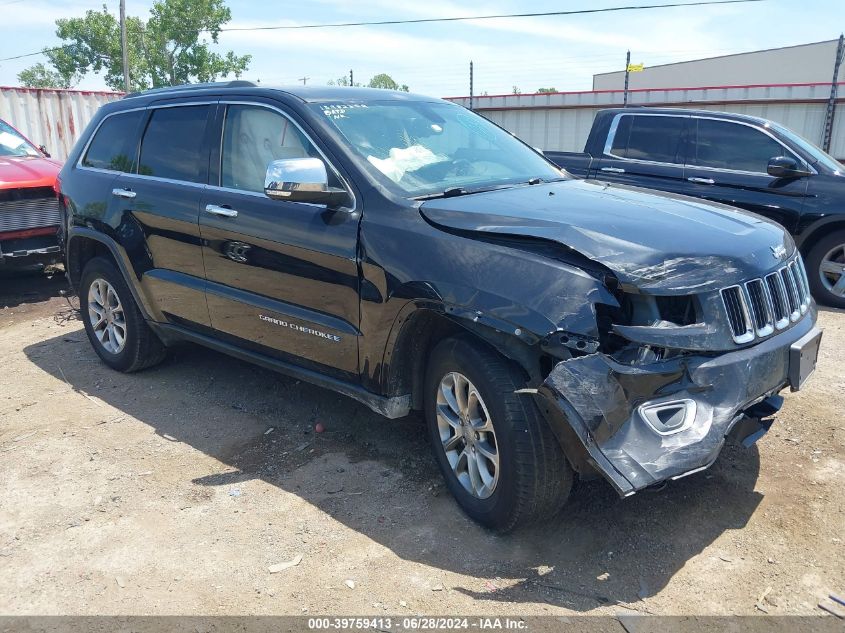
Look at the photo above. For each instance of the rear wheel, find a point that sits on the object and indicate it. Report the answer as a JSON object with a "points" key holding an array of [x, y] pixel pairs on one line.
{"points": [[116, 328], [826, 270], [499, 457]]}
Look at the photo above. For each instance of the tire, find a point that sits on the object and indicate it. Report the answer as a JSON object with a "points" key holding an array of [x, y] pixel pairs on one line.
{"points": [[828, 250], [533, 478], [138, 347]]}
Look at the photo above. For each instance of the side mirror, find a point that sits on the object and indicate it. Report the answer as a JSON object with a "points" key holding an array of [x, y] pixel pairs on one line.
{"points": [[785, 167], [43, 150], [301, 180]]}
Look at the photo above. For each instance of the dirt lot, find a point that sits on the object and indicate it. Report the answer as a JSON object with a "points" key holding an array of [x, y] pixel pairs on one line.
{"points": [[172, 491]]}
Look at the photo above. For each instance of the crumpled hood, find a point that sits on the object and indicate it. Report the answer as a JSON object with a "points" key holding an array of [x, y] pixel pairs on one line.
{"points": [[27, 171], [658, 242]]}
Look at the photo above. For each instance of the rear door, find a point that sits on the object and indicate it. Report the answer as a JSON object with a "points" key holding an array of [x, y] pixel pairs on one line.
{"points": [[161, 204], [112, 150], [281, 276], [646, 150], [727, 163]]}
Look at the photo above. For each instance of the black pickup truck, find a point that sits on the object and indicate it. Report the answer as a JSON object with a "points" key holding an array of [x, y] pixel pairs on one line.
{"points": [[739, 160], [408, 253]]}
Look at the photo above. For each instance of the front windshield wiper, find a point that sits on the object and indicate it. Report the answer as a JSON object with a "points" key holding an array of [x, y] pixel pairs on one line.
{"points": [[453, 192]]}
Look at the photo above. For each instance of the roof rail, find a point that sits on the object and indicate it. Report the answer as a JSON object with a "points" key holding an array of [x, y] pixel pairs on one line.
{"points": [[237, 83]]}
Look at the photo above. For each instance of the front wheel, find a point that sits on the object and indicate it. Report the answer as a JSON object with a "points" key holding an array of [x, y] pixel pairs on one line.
{"points": [[826, 270], [497, 454], [116, 328]]}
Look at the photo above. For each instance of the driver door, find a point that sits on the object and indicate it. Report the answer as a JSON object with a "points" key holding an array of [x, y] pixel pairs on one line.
{"points": [[727, 163], [282, 277]]}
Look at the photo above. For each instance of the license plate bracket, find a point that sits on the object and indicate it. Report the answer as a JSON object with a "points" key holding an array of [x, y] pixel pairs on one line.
{"points": [[803, 355]]}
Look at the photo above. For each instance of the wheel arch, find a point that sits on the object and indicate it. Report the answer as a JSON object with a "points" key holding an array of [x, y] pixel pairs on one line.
{"points": [[419, 327], [818, 230], [83, 244]]}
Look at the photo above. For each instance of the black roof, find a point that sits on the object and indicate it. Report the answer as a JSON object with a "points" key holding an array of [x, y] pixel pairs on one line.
{"points": [[308, 94]]}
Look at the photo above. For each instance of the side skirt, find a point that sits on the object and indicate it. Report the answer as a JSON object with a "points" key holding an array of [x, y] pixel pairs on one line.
{"points": [[390, 407]]}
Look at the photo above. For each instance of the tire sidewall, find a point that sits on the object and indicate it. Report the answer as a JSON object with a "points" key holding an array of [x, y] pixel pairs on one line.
{"points": [[461, 357], [813, 263], [99, 268]]}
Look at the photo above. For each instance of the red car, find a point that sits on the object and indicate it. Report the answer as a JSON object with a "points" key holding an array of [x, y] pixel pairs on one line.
{"points": [[30, 219]]}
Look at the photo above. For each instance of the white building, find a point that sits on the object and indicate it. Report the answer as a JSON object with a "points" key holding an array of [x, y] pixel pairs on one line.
{"points": [[803, 64]]}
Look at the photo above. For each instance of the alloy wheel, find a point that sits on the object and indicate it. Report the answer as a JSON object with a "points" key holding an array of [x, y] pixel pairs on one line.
{"points": [[467, 435], [105, 313], [832, 270]]}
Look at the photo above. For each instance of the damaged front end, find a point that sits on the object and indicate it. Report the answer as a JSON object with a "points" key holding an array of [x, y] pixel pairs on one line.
{"points": [[673, 378], [662, 323]]}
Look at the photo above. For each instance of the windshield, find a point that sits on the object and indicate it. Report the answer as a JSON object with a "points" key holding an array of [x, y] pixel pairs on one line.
{"points": [[429, 148], [13, 144], [818, 155]]}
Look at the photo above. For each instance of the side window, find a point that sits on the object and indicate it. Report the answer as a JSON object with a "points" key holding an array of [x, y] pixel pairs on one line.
{"points": [[253, 137], [173, 144], [727, 145], [115, 143], [653, 138]]}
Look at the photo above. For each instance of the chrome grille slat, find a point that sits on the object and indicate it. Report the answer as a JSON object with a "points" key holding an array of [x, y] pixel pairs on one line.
{"points": [[776, 293], [17, 215], [758, 307], [800, 284], [738, 313], [791, 293], [761, 310]]}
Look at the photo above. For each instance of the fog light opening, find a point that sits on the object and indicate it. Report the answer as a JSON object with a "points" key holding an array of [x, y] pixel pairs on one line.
{"points": [[668, 418]]}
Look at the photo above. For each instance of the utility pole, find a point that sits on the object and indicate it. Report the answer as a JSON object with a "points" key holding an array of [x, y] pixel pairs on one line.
{"points": [[470, 85], [123, 49], [831, 103], [351, 80], [304, 79], [627, 66]]}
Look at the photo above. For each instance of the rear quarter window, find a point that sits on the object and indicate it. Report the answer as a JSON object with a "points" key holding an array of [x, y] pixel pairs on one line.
{"points": [[115, 143]]}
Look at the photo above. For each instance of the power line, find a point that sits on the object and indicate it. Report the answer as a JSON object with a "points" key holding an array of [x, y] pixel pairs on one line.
{"points": [[451, 19], [41, 52], [490, 17]]}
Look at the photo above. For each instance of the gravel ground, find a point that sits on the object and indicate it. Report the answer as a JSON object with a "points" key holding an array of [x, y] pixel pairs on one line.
{"points": [[176, 491]]}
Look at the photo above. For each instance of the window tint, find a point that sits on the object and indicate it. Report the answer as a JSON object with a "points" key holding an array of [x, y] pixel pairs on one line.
{"points": [[253, 137], [173, 144], [727, 145], [115, 143], [655, 138]]}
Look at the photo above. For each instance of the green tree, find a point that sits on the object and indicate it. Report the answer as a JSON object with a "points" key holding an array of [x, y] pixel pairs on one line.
{"points": [[386, 82], [39, 76], [543, 90], [166, 50], [343, 81]]}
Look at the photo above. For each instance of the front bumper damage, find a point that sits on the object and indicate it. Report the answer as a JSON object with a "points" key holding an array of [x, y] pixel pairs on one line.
{"points": [[641, 424]]}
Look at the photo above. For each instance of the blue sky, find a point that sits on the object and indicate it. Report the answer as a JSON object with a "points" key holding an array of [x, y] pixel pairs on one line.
{"points": [[561, 52]]}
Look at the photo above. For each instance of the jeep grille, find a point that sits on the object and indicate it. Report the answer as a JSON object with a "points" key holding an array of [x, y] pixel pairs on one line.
{"points": [[758, 307]]}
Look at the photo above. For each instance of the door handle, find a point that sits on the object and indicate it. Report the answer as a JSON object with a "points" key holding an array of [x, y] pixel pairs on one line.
{"points": [[702, 181], [613, 170], [123, 193], [225, 212]]}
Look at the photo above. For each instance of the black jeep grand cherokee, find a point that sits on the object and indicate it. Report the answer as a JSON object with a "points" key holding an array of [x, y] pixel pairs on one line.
{"points": [[412, 255]]}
